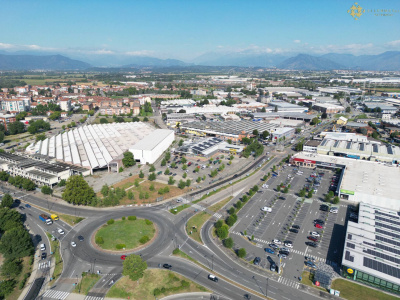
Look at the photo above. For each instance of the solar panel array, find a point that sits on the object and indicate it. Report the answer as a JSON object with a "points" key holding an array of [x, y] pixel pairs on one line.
{"points": [[382, 255], [324, 142], [350, 245], [397, 236], [206, 145], [336, 144], [381, 267], [93, 146]]}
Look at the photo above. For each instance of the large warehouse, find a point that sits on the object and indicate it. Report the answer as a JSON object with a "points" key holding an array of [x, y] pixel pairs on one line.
{"points": [[371, 251], [95, 146]]}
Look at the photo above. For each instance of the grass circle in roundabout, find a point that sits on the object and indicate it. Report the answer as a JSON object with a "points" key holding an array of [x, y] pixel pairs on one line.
{"points": [[125, 234]]}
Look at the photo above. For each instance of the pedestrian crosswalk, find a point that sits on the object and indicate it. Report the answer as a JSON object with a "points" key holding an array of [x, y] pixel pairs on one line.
{"points": [[217, 215], [44, 265], [199, 207], [55, 294], [93, 298], [289, 282]]}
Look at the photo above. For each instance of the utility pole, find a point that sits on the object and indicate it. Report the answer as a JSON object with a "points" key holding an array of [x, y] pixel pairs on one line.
{"points": [[266, 290]]}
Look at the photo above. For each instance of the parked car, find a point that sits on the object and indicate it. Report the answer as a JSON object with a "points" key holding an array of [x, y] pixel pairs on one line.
{"points": [[324, 207], [42, 247], [314, 233], [296, 226], [312, 244], [281, 255], [294, 230], [286, 249], [212, 277], [334, 210], [284, 252], [288, 244], [274, 246], [269, 250], [73, 244], [257, 261], [312, 238], [267, 209], [311, 264], [60, 231], [318, 226], [277, 242], [273, 267], [319, 221]]}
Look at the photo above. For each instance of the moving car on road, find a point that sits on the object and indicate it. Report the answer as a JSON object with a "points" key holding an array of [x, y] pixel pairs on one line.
{"points": [[212, 277], [167, 266], [60, 231]]}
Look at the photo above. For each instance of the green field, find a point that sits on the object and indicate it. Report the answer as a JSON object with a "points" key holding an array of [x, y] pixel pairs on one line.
{"points": [[353, 291], [125, 232]]}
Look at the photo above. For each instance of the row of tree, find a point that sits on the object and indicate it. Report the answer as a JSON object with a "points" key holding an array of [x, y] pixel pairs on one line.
{"points": [[18, 181]]}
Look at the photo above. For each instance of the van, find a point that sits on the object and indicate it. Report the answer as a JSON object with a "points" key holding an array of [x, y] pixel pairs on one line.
{"points": [[267, 209], [42, 247]]}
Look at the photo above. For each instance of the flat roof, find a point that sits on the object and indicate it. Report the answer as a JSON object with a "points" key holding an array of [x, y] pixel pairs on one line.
{"points": [[312, 143], [372, 244], [151, 141], [372, 182]]}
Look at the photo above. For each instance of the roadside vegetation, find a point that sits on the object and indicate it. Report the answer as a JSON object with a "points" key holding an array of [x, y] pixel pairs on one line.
{"points": [[87, 282]]}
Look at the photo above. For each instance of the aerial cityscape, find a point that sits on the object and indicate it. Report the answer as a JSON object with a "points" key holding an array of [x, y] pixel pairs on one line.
{"points": [[184, 150]]}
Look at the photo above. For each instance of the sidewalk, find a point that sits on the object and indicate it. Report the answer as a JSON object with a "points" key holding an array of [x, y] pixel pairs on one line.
{"points": [[32, 278]]}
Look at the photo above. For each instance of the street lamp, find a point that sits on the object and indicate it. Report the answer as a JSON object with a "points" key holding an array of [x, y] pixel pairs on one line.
{"points": [[266, 290]]}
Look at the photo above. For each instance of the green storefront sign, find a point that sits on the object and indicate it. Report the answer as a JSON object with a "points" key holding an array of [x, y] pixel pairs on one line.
{"points": [[347, 192]]}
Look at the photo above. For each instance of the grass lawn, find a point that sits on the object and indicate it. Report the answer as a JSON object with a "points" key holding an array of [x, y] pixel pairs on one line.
{"points": [[194, 225], [87, 282], [353, 291], [167, 283], [142, 189], [55, 248], [178, 252], [125, 232], [178, 209], [216, 207]]}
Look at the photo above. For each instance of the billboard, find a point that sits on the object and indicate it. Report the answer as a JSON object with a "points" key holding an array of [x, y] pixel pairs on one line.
{"points": [[307, 161], [347, 192]]}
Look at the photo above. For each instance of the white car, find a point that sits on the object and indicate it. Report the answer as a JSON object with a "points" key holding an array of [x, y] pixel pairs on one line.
{"points": [[60, 231], [276, 241], [314, 233], [334, 210], [289, 245], [73, 244], [267, 209]]}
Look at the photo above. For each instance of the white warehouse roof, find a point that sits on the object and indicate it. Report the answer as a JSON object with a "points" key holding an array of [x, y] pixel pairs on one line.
{"points": [[93, 146]]}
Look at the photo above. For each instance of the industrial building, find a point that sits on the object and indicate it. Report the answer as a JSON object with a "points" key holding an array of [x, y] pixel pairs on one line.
{"points": [[283, 106], [285, 115], [206, 147], [328, 108], [233, 130], [361, 180], [311, 146], [96, 146], [371, 254], [359, 147], [41, 172], [282, 132]]}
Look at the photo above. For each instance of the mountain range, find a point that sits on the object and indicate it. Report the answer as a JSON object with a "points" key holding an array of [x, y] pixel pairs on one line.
{"points": [[387, 61]]}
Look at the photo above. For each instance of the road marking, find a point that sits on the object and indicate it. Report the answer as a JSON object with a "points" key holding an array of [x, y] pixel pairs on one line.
{"points": [[56, 294]]}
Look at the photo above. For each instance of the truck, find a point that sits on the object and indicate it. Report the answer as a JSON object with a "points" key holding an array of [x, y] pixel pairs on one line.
{"points": [[46, 219], [54, 217]]}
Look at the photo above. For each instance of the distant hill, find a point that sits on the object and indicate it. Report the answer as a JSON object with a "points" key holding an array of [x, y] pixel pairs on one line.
{"points": [[146, 61], [35, 62], [308, 62], [240, 59]]}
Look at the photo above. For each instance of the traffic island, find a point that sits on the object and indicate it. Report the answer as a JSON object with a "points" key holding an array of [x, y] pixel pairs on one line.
{"points": [[128, 233]]}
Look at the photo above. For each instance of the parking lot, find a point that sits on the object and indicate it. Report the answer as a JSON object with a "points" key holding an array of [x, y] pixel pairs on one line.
{"points": [[288, 210]]}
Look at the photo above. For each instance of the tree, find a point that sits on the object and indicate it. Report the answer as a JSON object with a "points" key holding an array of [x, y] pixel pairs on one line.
{"points": [[7, 201], [183, 160], [315, 121], [265, 134], [167, 155], [128, 159], [188, 182], [180, 143], [184, 167], [263, 110], [152, 176], [336, 200], [62, 182], [228, 243], [15, 128], [171, 180], [55, 115], [46, 190], [309, 195], [1, 136], [77, 191], [11, 268], [348, 109], [134, 267], [255, 132], [181, 184], [298, 130], [222, 232], [16, 243], [302, 193], [40, 137], [141, 174], [166, 172], [103, 121], [163, 163], [276, 108], [242, 252], [173, 165], [28, 184], [299, 146], [152, 168]]}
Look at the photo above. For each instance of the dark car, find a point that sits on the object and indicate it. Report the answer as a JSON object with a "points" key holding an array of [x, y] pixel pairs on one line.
{"points": [[44, 255], [296, 226], [167, 266], [273, 246], [294, 230], [27, 205], [273, 267], [80, 238], [312, 244], [324, 207], [17, 201], [284, 252], [269, 250], [311, 264], [319, 221], [21, 207], [312, 238], [257, 261]]}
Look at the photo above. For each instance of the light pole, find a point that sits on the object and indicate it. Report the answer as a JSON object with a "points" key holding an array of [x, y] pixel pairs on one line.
{"points": [[266, 290], [212, 264]]}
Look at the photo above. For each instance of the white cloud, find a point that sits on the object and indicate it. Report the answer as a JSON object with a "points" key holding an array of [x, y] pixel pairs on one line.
{"points": [[102, 51], [393, 44], [297, 41], [6, 46], [139, 53]]}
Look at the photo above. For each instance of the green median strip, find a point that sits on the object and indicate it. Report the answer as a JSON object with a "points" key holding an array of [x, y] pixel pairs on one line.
{"points": [[87, 282], [55, 248], [178, 209]]}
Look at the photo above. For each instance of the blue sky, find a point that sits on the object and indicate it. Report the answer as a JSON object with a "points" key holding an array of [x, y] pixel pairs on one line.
{"points": [[186, 29]]}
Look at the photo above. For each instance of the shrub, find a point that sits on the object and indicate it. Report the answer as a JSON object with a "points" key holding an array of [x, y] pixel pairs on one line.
{"points": [[176, 251], [132, 218], [144, 239], [231, 210], [239, 205], [123, 218], [148, 222], [110, 222], [166, 190], [219, 224], [228, 243], [230, 220], [120, 246], [99, 240]]}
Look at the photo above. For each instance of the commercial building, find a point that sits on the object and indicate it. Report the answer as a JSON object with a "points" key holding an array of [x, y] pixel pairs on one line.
{"points": [[285, 115], [361, 180], [233, 130], [6, 119], [328, 108], [282, 132], [96, 146], [371, 254], [152, 146], [287, 122], [311, 146], [206, 147], [385, 108]]}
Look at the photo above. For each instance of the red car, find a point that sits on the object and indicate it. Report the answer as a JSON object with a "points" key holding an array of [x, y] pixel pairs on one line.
{"points": [[189, 164], [123, 257], [318, 225], [314, 239]]}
